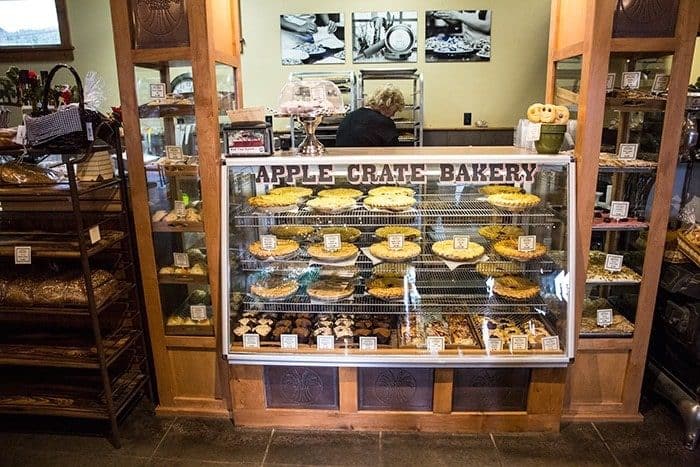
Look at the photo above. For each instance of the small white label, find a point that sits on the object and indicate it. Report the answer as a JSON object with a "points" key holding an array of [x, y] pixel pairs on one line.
{"points": [[95, 235], [527, 243], [435, 344], [157, 91], [610, 82], [251, 341], [289, 341], [181, 260], [518, 343], [180, 210], [460, 242], [368, 343], [23, 255], [325, 342], [331, 242], [198, 312], [21, 136], [613, 263], [619, 209], [628, 151], [660, 83], [630, 79], [88, 132], [395, 241], [550, 344], [174, 153], [604, 317], [268, 242], [494, 344], [533, 131]]}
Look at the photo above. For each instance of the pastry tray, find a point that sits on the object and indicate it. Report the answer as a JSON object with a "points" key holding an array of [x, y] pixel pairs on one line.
{"points": [[609, 332], [470, 325], [518, 319]]}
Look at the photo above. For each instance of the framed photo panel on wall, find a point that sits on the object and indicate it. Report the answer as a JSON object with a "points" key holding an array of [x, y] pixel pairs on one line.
{"points": [[312, 38], [458, 36], [385, 36]]}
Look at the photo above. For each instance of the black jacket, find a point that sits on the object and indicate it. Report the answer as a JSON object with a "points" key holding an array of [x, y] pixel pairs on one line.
{"points": [[366, 127]]}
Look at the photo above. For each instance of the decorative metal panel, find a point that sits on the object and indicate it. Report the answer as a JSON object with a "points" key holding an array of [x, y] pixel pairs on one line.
{"points": [[301, 387], [409, 389], [490, 390], [645, 18], [160, 23]]}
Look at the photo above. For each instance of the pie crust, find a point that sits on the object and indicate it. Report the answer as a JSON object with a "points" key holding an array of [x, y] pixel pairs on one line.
{"points": [[396, 270], [500, 232], [284, 248], [496, 189], [274, 201], [274, 288], [345, 252], [445, 249], [509, 249], [330, 290], [340, 193], [406, 231], [514, 201], [515, 288], [395, 203], [498, 269], [347, 234], [331, 205], [382, 251], [385, 288], [291, 231], [391, 190], [298, 191]]}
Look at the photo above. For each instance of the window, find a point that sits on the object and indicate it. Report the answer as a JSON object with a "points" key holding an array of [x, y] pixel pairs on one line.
{"points": [[34, 30]]}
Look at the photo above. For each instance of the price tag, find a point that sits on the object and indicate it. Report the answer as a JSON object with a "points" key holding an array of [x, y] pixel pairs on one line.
{"points": [[435, 344], [174, 153], [619, 209], [550, 344], [21, 136], [23, 255], [460, 242], [494, 344], [395, 241], [181, 260], [325, 342], [95, 235], [519, 343], [180, 210], [631, 79], [289, 341], [628, 151], [610, 82], [331, 242], [268, 242], [198, 312], [368, 343], [527, 242], [89, 132], [533, 131], [660, 83], [251, 341], [604, 317], [613, 263], [157, 91]]}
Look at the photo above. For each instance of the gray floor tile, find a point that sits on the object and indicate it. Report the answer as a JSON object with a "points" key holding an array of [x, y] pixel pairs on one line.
{"points": [[44, 458], [428, 449], [661, 425], [161, 462], [323, 448], [213, 440]]}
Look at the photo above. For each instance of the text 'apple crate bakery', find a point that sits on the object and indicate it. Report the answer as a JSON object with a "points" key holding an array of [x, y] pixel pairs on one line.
{"points": [[372, 174]]}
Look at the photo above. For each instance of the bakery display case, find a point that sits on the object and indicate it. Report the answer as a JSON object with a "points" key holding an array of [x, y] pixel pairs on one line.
{"points": [[463, 261]]}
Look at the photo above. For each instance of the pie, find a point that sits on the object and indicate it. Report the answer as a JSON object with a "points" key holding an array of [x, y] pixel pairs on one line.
{"points": [[445, 249], [340, 193], [516, 288], [263, 202], [498, 269], [391, 190], [496, 189], [514, 201], [509, 249], [395, 203], [291, 231], [331, 205], [347, 234], [500, 232], [382, 251], [284, 248], [597, 273], [385, 288], [275, 288], [461, 331], [330, 290], [346, 251], [398, 270], [299, 192], [406, 231]]}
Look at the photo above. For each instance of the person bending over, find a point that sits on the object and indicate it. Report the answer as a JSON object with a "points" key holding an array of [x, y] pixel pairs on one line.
{"points": [[372, 125]]}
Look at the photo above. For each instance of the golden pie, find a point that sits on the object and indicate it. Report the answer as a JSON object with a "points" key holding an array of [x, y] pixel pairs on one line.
{"points": [[499, 269], [445, 249], [496, 189], [291, 231], [273, 201], [346, 251], [331, 205], [500, 232], [509, 249], [406, 231], [391, 190], [390, 270], [396, 203], [514, 201], [298, 191], [340, 193], [382, 251], [515, 288], [284, 248], [347, 234], [275, 288], [385, 288], [330, 290]]}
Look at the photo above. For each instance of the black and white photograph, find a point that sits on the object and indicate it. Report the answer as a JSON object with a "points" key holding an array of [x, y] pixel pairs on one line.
{"points": [[312, 38], [385, 36], [458, 36]]}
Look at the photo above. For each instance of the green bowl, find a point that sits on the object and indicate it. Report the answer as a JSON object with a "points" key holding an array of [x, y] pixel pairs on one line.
{"points": [[551, 138]]}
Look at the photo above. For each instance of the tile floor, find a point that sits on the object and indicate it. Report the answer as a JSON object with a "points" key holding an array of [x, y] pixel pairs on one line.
{"points": [[176, 442]]}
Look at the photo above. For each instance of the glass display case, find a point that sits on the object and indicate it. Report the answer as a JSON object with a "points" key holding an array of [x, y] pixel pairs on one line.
{"points": [[375, 257]]}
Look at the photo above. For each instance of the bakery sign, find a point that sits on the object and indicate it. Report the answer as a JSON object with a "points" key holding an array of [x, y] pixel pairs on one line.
{"points": [[381, 174]]}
